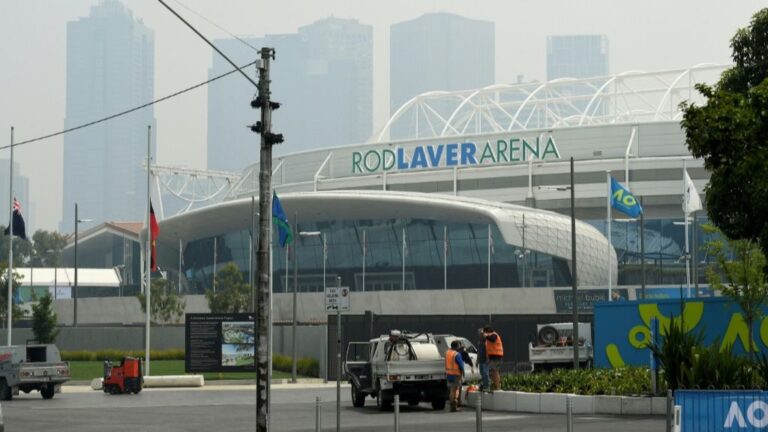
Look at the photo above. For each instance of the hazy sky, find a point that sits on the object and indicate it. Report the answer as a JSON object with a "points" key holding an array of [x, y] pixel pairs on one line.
{"points": [[643, 35]]}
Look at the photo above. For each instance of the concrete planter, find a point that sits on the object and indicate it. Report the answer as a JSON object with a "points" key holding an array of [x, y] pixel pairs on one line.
{"points": [[555, 403]]}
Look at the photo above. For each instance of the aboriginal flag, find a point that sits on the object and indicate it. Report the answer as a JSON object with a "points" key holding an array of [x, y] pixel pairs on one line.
{"points": [[154, 230]]}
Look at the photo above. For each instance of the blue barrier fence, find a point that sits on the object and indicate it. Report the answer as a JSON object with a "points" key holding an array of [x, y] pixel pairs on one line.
{"points": [[723, 410]]}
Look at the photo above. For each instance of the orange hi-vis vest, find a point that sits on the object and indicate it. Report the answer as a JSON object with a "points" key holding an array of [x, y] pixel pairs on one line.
{"points": [[451, 368], [494, 348]]}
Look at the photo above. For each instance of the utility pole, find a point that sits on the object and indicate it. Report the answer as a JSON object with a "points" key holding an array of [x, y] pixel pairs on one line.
{"points": [[268, 139]]}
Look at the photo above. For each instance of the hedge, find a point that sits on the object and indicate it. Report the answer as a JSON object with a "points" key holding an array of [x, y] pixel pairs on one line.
{"points": [[624, 381]]}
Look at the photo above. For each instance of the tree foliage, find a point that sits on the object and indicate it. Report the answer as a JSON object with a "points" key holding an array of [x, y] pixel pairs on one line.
{"points": [[232, 292], [47, 248], [730, 132], [16, 310], [44, 320], [739, 273], [167, 306]]}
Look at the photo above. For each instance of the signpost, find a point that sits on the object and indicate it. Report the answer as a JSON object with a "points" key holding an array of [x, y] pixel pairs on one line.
{"points": [[337, 299]]}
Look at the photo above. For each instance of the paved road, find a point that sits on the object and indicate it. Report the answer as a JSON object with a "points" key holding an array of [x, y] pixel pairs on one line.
{"points": [[232, 409]]}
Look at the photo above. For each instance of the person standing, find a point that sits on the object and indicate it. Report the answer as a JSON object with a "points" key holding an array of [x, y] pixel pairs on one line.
{"points": [[467, 359], [454, 370], [482, 362], [495, 352]]}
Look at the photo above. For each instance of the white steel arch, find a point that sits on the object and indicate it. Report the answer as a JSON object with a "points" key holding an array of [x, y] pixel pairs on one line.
{"points": [[629, 97]]}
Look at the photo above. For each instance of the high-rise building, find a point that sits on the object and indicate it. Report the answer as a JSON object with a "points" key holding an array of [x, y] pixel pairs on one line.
{"points": [[110, 68], [323, 77], [439, 51], [577, 56]]}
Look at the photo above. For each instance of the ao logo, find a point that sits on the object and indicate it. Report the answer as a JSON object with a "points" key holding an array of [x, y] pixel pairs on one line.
{"points": [[735, 415], [626, 199]]}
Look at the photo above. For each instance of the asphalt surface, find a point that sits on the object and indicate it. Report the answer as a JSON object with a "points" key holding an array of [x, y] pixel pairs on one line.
{"points": [[232, 409]]}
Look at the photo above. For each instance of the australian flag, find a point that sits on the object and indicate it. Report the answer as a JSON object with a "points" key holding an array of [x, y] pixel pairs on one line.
{"points": [[19, 229]]}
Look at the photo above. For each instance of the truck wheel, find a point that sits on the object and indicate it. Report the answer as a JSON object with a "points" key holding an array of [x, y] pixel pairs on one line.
{"points": [[383, 401], [6, 392], [438, 404], [358, 398], [47, 392]]}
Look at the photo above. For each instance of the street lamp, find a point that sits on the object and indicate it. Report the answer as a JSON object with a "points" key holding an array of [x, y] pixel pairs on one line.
{"points": [[78, 221], [574, 280], [295, 290], [52, 254]]}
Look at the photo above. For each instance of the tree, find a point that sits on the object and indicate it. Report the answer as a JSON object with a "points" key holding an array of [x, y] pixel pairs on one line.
{"points": [[47, 248], [22, 249], [232, 292], [44, 320], [745, 278], [16, 310], [167, 306], [730, 132]]}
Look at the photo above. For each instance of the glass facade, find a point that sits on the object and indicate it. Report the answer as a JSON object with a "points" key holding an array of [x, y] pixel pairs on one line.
{"points": [[664, 249], [392, 254]]}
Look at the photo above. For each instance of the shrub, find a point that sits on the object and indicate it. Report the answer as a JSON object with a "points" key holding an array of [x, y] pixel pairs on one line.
{"points": [[624, 381], [304, 366], [114, 354], [676, 353]]}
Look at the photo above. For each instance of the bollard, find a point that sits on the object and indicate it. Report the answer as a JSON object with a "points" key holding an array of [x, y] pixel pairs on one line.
{"points": [[397, 412], [677, 425], [569, 414], [669, 411], [479, 412], [317, 414]]}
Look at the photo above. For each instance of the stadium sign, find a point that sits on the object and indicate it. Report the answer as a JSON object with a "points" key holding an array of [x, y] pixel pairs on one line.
{"points": [[452, 155]]}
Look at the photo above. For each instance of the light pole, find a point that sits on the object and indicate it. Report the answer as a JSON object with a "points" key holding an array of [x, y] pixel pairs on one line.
{"points": [[78, 221], [295, 290], [574, 276], [52, 254], [522, 254]]}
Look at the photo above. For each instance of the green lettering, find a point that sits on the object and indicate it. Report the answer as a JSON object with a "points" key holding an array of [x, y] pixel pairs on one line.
{"points": [[513, 149], [366, 161], [501, 149], [488, 153], [356, 158], [389, 159], [551, 147], [527, 146]]}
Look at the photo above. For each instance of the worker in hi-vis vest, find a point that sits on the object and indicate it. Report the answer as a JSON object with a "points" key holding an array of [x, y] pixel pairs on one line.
{"points": [[495, 352], [454, 370]]}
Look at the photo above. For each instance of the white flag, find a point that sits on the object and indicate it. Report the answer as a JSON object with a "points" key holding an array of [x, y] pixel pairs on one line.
{"points": [[691, 199]]}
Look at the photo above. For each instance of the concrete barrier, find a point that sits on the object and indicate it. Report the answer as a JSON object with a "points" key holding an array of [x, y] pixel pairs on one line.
{"points": [[555, 403]]}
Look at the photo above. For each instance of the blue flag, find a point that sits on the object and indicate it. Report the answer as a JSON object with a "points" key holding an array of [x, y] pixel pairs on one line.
{"points": [[281, 221], [623, 200]]}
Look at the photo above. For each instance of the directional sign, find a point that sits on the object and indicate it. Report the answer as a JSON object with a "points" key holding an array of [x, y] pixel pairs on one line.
{"points": [[337, 298]]}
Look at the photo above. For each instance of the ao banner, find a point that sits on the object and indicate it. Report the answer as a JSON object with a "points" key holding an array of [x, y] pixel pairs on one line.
{"points": [[220, 342], [622, 329], [722, 410]]}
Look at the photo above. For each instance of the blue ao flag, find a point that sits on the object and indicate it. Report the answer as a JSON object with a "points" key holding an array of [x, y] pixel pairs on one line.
{"points": [[623, 200], [281, 221]]}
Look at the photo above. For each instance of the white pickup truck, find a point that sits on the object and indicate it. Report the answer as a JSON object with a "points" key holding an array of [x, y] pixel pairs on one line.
{"points": [[31, 367], [408, 364], [554, 346]]}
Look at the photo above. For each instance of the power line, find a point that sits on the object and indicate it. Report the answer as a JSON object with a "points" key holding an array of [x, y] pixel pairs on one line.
{"points": [[216, 25], [113, 116]]}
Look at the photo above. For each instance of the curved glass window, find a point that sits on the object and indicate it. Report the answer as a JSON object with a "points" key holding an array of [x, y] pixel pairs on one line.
{"points": [[381, 255]]}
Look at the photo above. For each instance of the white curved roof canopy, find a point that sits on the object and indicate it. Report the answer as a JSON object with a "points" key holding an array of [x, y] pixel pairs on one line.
{"points": [[629, 97], [545, 231]]}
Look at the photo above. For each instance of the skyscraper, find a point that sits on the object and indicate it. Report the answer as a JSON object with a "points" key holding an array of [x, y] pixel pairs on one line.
{"points": [[323, 77], [577, 56], [110, 68], [439, 51]]}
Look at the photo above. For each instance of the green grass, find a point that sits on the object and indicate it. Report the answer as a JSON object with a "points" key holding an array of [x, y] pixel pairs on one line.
{"points": [[88, 370]]}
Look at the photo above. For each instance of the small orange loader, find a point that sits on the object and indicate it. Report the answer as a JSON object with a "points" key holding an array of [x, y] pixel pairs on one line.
{"points": [[127, 377]]}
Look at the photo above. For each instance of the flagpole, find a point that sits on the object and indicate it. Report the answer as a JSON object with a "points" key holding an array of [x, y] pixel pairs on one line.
{"points": [[489, 256], [287, 267], [403, 287], [365, 252], [608, 232], [215, 251], [9, 311], [148, 258], [445, 257], [686, 196], [181, 262]]}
